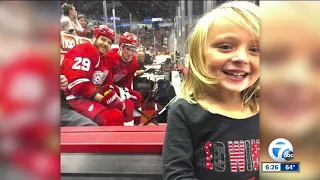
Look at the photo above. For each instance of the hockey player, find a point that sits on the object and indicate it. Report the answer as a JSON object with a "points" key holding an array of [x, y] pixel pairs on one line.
{"points": [[81, 66], [124, 66]]}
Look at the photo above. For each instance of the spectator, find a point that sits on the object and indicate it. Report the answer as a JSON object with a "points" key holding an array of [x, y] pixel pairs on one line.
{"points": [[91, 28], [143, 85], [83, 22], [218, 107], [69, 21], [141, 58]]}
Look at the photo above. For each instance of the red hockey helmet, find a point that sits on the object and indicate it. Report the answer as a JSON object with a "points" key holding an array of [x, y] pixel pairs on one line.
{"points": [[105, 31], [129, 39]]}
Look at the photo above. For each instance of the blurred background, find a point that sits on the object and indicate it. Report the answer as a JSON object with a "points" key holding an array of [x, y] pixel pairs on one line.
{"points": [[290, 76], [161, 26], [29, 86]]}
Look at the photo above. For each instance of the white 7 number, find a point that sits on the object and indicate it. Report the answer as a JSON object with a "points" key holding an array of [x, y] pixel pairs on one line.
{"points": [[81, 63]]}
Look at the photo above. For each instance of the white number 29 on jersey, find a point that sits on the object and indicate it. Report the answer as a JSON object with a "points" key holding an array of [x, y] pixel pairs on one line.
{"points": [[81, 63]]}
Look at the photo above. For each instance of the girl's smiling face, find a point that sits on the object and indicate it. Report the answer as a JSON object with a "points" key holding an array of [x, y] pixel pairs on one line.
{"points": [[232, 53]]}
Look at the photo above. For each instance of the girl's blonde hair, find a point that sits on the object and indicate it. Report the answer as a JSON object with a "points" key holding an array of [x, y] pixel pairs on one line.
{"points": [[199, 82]]}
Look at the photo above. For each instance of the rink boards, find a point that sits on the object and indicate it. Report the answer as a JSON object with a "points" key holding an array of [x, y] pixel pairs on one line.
{"points": [[95, 153]]}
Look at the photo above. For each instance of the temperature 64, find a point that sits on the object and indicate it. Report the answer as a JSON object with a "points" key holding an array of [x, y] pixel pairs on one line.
{"points": [[290, 166]]}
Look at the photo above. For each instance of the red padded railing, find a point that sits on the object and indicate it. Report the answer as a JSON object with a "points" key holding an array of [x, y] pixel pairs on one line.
{"points": [[136, 139]]}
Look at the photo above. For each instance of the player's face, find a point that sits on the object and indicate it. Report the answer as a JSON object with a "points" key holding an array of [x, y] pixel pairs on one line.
{"points": [[290, 74], [103, 44], [232, 53], [128, 52]]}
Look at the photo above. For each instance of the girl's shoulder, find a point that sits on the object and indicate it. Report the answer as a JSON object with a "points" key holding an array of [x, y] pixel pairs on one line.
{"points": [[183, 104], [180, 101]]}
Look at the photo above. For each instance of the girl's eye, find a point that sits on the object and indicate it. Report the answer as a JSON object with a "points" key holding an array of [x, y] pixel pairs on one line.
{"points": [[225, 47], [255, 49]]}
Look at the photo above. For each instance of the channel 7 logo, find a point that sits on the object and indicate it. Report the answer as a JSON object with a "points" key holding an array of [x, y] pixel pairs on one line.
{"points": [[281, 150]]}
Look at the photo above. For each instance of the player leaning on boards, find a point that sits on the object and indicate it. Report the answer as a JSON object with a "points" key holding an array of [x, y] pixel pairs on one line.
{"points": [[124, 65], [90, 90], [213, 131]]}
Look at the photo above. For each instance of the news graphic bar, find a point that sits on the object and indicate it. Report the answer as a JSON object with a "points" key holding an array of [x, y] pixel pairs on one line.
{"points": [[290, 167], [280, 167], [271, 167]]}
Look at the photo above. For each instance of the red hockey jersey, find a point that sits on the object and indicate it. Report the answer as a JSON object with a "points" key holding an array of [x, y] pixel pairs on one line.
{"points": [[122, 72], [79, 66], [102, 77]]}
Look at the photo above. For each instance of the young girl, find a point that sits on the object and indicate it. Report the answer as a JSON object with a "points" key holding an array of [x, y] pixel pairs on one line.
{"points": [[213, 131]]}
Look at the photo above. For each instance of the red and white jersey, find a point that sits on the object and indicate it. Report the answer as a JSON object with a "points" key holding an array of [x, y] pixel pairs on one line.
{"points": [[122, 72], [79, 65], [102, 77]]}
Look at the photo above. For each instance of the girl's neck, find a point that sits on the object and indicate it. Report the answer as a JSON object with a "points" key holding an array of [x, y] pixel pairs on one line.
{"points": [[226, 103], [227, 99]]}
